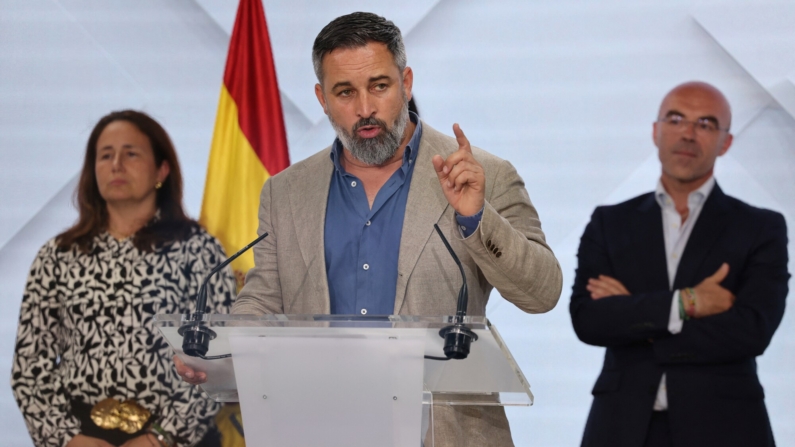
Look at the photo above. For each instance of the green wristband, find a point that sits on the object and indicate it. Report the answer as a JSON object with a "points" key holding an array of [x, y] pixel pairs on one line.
{"points": [[163, 437], [682, 314]]}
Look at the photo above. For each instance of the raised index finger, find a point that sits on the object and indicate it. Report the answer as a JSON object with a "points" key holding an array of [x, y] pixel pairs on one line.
{"points": [[463, 143]]}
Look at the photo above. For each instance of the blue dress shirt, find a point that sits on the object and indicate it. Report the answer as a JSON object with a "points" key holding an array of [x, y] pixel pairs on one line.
{"points": [[362, 245]]}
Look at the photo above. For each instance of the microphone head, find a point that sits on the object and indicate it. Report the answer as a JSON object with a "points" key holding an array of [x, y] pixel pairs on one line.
{"points": [[196, 339], [457, 341]]}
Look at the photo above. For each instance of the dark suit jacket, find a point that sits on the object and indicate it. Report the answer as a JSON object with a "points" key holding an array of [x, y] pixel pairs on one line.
{"points": [[714, 394]]}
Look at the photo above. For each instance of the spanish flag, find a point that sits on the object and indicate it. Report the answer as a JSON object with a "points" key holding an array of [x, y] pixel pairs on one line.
{"points": [[249, 141]]}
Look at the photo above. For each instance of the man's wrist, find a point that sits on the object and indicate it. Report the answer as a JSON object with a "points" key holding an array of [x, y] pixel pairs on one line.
{"points": [[675, 319], [468, 224], [687, 301]]}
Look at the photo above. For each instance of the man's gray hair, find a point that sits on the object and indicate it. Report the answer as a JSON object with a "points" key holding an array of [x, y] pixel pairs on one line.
{"points": [[354, 31]]}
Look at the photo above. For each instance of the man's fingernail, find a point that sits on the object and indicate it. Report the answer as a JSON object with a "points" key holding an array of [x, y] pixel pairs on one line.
{"points": [[189, 375]]}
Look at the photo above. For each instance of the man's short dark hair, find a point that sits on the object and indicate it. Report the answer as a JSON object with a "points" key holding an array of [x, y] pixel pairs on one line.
{"points": [[354, 31]]}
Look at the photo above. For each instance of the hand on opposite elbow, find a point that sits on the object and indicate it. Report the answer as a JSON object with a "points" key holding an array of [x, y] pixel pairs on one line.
{"points": [[605, 286], [188, 374], [711, 297]]}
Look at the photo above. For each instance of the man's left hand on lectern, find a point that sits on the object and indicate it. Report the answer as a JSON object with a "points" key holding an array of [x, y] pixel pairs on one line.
{"points": [[188, 374]]}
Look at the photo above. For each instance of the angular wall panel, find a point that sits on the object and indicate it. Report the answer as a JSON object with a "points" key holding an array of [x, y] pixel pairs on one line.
{"points": [[566, 91]]}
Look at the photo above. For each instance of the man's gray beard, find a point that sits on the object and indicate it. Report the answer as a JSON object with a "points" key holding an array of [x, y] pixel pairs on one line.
{"points": [[374, 151]]}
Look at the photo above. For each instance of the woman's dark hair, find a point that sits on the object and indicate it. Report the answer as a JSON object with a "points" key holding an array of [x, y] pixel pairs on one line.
{"points": [[172, 223]]}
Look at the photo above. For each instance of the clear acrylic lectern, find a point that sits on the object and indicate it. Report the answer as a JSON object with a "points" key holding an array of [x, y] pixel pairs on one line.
{"points": [[331, 380]]}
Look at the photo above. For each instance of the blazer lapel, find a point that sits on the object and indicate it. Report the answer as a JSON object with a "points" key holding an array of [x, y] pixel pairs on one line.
{"points": [[650, 267], [424, 207], [308, 200], [708, 229]]}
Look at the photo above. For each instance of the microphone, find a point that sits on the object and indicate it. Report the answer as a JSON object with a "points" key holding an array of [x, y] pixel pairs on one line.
{"points": [[457, 338], [195, 334]]}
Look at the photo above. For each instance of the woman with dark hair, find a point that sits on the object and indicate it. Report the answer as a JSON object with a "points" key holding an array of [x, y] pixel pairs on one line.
{"points": [[89, 367]]}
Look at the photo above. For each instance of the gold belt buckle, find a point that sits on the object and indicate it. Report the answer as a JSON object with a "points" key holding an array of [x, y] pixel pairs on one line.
{"points": [[127, 416]]}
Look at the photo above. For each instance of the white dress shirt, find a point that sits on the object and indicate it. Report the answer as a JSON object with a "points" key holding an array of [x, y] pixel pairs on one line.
{"points": [[676, 234]]}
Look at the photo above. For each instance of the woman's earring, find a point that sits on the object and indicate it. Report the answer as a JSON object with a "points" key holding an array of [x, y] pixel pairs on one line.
{"points": [[158, 185]]}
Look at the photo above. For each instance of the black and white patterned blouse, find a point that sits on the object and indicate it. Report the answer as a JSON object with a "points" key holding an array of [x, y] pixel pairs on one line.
{"points": [[85, 333]]}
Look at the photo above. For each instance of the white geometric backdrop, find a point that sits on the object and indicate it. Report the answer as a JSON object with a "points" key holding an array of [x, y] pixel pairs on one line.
{"points": [[565, 90]]}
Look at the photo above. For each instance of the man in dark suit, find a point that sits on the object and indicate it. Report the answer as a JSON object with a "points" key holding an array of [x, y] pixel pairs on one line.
{"points": [[685, 287]]}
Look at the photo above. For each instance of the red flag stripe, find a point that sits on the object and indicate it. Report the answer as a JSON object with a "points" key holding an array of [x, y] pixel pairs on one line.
{"points": [[250, 78]]}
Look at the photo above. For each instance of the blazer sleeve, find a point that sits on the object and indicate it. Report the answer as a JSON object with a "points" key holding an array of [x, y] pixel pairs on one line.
{"points": [[615, 320], [510, 249], [262, 292], [745, 330]]}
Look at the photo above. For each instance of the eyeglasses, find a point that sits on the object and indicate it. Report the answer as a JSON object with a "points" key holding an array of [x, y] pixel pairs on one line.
{"points": [[702, 125]]}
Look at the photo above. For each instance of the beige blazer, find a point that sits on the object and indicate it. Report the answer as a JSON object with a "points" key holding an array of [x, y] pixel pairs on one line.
{"points": [[508, 251]]}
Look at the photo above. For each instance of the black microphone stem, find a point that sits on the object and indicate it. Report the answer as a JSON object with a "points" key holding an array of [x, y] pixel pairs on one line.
{"points": [[457, 338], [463, 295], [201, 301]]}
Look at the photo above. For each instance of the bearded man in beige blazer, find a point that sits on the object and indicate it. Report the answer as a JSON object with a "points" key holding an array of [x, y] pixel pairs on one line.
{"points": [[477, 199]]}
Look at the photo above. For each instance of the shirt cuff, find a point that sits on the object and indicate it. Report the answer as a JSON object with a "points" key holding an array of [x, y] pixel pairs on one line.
{"points": [[468, 224], [675, 321]]}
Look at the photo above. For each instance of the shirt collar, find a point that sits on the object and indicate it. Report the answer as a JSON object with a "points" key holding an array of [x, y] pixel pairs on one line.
{"points": [[695, 198], [409, 155]]}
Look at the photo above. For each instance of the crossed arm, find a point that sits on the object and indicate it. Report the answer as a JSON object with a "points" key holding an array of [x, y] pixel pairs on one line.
{"points": [[728, 325]]}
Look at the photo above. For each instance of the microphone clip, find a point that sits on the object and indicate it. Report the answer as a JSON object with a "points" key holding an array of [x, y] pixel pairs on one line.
{"points": [[457, 339], [196, 338]]}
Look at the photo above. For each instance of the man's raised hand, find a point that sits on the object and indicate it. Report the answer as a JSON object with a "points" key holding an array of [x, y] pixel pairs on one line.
{"points": [[461, 177]]}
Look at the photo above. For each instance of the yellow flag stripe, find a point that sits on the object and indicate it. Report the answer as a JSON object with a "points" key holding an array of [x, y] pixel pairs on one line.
{"points": [[235, 176]]}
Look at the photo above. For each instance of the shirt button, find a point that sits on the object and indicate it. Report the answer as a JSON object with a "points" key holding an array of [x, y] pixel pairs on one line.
{"points": [[353, 183], [674, 256], [364, 311], [366, 266], [367, 223], [463, 228]]}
